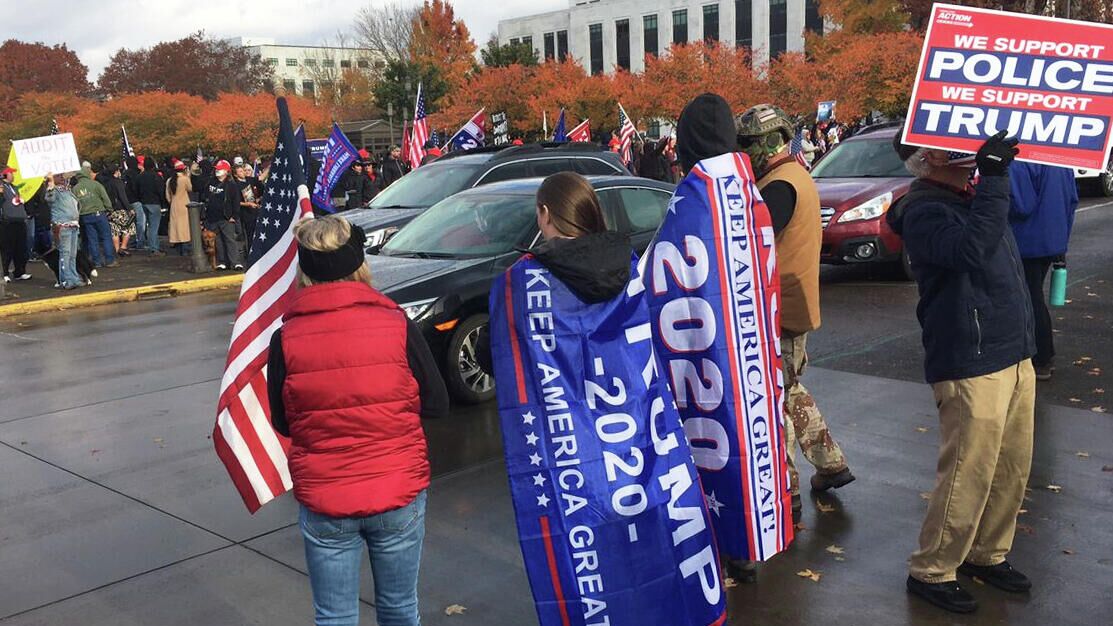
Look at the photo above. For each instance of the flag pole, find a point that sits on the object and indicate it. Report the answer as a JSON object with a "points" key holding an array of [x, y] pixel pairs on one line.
{"points": [[627, 116]]}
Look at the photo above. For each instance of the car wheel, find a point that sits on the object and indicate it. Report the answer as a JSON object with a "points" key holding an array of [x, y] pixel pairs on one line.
{"points": [[466, 380]]}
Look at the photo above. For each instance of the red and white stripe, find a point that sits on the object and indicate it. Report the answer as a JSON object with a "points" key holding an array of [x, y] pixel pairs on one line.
{"points": [[582, 132], [244, 438], [626, 134]]}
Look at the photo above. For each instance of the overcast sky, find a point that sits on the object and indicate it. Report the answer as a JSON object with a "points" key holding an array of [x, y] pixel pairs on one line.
{"points": [[96, 29]]}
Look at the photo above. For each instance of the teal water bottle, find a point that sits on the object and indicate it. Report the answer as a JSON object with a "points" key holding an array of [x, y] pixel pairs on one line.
{"points": [[1058, 296]]}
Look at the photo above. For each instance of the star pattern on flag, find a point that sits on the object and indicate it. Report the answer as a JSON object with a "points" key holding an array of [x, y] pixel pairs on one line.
{"points": [[528, 418], [531, 439], [535, 459], [713, 503], [673, 202], [538, 480], [543, 500]]}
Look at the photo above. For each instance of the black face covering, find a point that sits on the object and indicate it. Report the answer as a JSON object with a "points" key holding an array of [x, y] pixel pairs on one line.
{"points": [[336, 264]]}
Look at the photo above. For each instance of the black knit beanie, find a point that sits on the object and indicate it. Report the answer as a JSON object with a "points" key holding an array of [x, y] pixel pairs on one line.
{"points": [[705, 130]]}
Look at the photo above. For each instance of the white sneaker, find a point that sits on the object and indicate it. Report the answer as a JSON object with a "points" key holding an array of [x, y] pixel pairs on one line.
{"points": [[24, 277], [57, 285], [88, 283], [7, 278], [222, 267], [238, 267], [93, 274]]}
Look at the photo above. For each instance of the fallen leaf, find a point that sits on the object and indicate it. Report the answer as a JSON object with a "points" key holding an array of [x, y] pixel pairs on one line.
{"points": [[1107, 468], [1099, 390], [1089, 317], [1022, 511], [454, 609], [158, 439], [1084, 359], [1067, 301], [730, 583], [1054, 488], [835, 549], [810, 575], [1091, 294], [94, 451], [1068, 551], [1026, 529], [839, 558], [824, 508], [1076, 399], [925, 495], [922, 429], [1098, 409], [1082, 455], [1094, 372], [800, 527]]}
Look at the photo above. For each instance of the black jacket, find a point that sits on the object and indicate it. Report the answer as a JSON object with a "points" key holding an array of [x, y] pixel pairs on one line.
{"points": [[131, 185], [359, 188], [222, 200], [118, 193], [393, 169], [974, 307], [150, 188]]}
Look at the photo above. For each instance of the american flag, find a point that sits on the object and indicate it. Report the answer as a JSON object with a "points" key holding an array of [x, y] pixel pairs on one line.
{"points": [[125, 147], [626, 134], [796, 149], [253, 454], [420, 132], [54, 126]]}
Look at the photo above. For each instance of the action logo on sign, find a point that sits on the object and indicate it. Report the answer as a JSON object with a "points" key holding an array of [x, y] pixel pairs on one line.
{"points": [[1047, 81], [612, 523], [713, 297]]}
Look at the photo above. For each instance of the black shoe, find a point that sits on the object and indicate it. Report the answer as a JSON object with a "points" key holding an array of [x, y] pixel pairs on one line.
{"points": [[950, 596], [1044, 372], [1002, 576], [797, 509], [743, 572], [823, 482]]}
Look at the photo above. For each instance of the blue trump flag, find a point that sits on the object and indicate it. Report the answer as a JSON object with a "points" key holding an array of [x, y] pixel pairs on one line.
{"points": [[338, 158], [611, 519], [713, 292], [559, 134], [472, 134]]}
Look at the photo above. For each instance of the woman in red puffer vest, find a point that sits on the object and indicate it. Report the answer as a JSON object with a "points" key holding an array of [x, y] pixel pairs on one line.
{"points": [[349, 379]]}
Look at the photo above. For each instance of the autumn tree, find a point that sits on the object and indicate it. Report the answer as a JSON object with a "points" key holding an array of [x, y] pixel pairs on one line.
{"points": [[488, 89], [441, 41], [26, 67], [398, 87], [32, 113], [494, 55], [672, 80], [196, 65], [866, 16]]}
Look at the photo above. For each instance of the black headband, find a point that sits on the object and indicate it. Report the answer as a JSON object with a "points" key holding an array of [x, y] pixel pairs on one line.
{"points": [[335, 264]]}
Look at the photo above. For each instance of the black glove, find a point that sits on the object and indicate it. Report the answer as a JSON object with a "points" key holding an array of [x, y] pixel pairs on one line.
{"points": [[996, 154]]}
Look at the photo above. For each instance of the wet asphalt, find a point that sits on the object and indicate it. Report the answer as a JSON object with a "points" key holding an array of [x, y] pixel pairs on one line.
{"points": [[114, 509]]}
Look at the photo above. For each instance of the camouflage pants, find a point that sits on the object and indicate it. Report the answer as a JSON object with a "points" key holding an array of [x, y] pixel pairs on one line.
{"points": [[803, 422]]}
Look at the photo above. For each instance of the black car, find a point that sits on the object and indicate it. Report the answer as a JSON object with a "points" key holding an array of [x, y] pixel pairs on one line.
{"points": [[440, 266], [415, 192]]}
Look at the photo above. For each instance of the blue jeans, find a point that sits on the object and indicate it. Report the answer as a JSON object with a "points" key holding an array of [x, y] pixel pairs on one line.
{"points": [[153, 218], [140, 225], [67, 258], [98, 235], [31, 237], [333, 552]]}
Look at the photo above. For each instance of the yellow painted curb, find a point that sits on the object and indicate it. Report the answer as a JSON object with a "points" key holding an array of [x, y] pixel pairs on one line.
{"points": [[129, 294]]}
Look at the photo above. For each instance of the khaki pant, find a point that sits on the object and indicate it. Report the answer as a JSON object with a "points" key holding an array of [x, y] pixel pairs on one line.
{"points": [[803, 422], [986, 428]]}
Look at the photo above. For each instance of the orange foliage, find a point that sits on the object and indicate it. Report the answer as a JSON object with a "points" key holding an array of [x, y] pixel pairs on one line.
{"points": [[444, 42], [672, 80]]}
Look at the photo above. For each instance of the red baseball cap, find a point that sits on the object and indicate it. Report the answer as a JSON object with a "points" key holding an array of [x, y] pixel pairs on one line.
{"points": [[7, 170], [178, 165], [223, 165]]}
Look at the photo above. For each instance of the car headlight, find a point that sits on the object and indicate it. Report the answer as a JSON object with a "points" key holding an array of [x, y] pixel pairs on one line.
{"points": [[379, 237], [418, 310], [868, 210]]}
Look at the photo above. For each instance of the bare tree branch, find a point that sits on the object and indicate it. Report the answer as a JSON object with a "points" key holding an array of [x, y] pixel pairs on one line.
{"points": [[387, 29]]}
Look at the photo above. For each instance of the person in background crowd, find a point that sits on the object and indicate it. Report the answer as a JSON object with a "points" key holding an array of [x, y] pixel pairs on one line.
{"points": [[764, 133], [152, 192], [357, 186], [64, 216], [807, 148], [222, 208], [94, 205], [200, 176], [615, 144], [432, 152], [349, 379], [369, 168], [131, 184], [977, 333], [249, 195], [672, 160], [393, 168], [263, 171], [178, 190], [819, 141], [652, 164], [1041, 214], [38, 212], [120, 218], [13, 229]]}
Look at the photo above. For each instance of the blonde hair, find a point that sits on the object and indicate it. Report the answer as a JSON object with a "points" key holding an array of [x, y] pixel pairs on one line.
{"points": [[325, 234]]}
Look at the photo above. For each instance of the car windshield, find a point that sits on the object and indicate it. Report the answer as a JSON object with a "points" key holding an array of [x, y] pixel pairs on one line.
{"points": [[468, 226], [862, 158], [425, 186]]}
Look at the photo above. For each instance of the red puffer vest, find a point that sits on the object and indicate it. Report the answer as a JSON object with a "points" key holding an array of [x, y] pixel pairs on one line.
{"points": [[357, 446]]}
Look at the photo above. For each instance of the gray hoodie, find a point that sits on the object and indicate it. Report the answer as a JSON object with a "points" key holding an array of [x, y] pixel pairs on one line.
{"points": [[63, 206], [12, 209]]}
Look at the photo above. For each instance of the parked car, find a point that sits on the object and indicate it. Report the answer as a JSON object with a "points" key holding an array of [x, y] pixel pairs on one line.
{"points": [[415, 192], [440, 266], [858, 181], [1096, 182]]}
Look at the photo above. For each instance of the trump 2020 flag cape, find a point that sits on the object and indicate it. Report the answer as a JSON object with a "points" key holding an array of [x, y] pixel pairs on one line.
{"points": [[339, 156], [611, 520], [472, 134], [713, 291]]}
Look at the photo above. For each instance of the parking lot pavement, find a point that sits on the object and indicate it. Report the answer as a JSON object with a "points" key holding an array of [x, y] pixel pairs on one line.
{"points": [[115, 510]]}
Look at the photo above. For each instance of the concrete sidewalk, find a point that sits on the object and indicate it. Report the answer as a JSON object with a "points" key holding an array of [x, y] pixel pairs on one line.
{"points": [[139, 276]]}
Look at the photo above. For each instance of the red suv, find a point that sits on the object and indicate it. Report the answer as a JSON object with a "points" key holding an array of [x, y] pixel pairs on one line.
{"points": [[858, 181]]}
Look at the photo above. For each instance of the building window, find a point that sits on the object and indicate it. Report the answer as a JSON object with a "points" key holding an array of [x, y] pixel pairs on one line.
{"points": [[307, 88], [328, 63], [744, 23], [595, 38], [272, 61], [363, 64], [622, 43], [291, 62], [515, 41], [778, 27], [291, 86], [649, 24], [550, 46], [528, 41], [711, 22], [345, 63], [813, 21], [680, 26], [311, 62], [562, 44]]}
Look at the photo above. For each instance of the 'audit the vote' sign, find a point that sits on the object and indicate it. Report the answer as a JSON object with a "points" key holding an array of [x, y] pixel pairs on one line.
{"points": [[53, 154], [1048, 81]]}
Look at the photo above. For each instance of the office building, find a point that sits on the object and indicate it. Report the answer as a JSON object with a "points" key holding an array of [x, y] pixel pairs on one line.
{"points": [[304, 70]]}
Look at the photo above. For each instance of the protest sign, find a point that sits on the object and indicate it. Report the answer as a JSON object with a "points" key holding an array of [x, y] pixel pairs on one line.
{"points": [[52, 154], [317, 148], [825, 112], [500, 128], [1047, 81]]}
